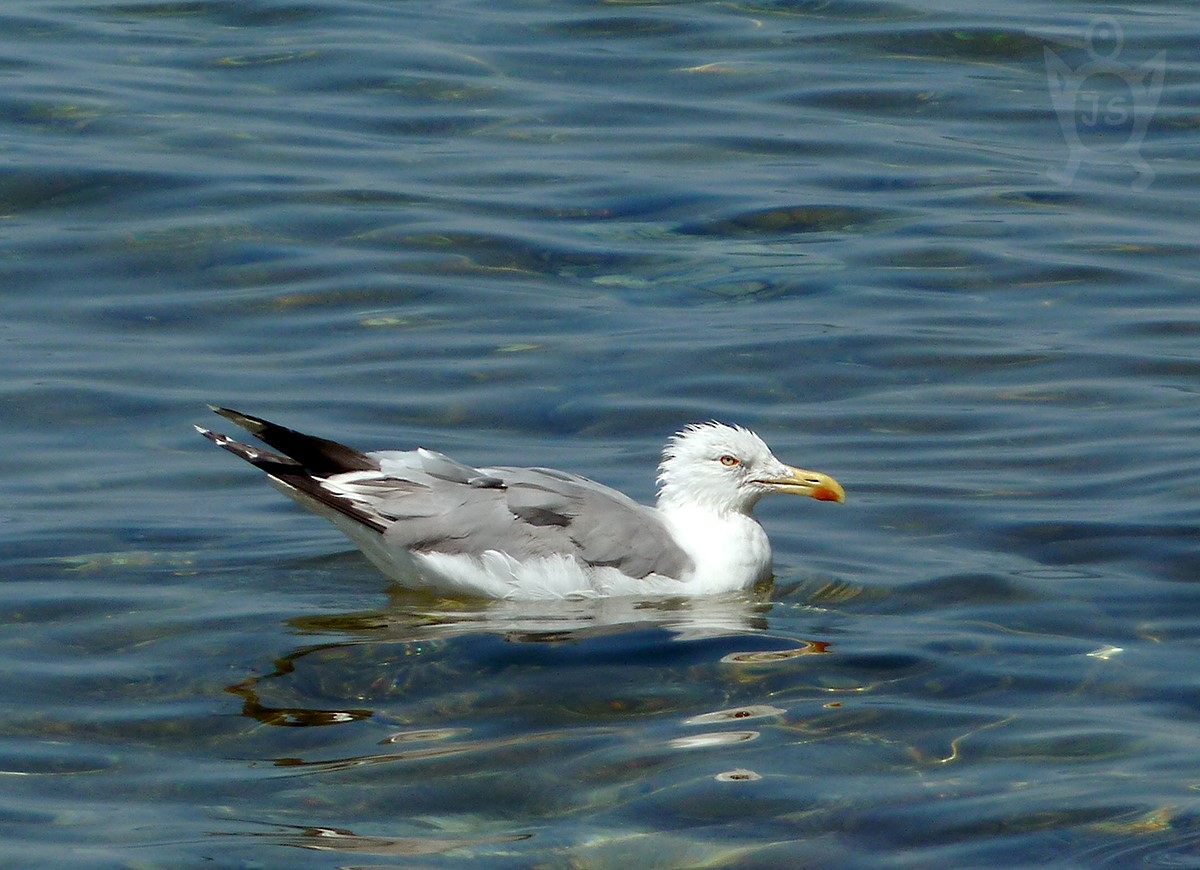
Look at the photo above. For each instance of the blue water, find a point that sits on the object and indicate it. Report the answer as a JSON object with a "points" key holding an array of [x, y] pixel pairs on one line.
{"points": [[945, 252]]}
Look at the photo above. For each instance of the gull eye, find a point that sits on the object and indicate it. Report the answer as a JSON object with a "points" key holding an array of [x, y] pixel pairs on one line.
{"points": [[730, 461]]}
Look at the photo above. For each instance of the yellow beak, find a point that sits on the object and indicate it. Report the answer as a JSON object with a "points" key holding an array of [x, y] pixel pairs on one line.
{"points": [[813, 484]]}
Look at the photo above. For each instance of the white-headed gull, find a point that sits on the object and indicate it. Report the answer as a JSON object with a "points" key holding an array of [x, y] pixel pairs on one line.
{"points": [[429, 522]]}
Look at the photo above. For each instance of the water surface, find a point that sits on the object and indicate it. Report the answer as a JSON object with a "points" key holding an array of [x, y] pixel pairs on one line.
{"points": [[944, 252]]}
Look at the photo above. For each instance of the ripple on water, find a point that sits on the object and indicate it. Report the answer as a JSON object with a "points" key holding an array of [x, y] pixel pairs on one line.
{"points": [[551, 234]]}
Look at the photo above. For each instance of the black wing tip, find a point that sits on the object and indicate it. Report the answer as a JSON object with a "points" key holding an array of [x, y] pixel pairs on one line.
{"points": [[294, 476], [256, 456], [320, 456], [253, 425]]}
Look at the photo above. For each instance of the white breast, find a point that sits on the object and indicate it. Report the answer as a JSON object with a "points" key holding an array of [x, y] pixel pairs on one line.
{"points": [[730, 551]]}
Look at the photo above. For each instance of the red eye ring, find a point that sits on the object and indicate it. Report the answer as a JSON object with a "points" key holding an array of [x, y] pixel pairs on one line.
{"points": [[730, 461]]}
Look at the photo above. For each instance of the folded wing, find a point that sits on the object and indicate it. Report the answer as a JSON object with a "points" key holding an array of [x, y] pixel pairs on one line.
{"points": [[426, 502]]}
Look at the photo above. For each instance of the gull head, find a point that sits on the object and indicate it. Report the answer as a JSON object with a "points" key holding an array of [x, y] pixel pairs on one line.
{"points": [[727, 469]]}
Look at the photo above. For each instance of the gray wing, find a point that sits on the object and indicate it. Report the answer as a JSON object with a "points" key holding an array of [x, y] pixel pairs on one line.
{"points": [[427, 502], [606, 527], [438, 505]]}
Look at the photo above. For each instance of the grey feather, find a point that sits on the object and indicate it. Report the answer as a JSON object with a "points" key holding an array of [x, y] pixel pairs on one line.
{"points": [[531, 512]]}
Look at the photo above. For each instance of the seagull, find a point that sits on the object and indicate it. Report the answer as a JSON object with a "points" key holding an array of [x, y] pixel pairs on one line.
{"points": [[431, 523]]}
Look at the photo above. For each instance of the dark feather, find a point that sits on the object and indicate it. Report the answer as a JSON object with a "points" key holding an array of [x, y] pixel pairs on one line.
{"points": [[318, 455], [296, 477]]}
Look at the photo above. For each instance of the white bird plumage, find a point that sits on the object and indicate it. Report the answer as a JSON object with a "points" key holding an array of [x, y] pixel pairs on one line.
{"points": [[429, 522]]}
